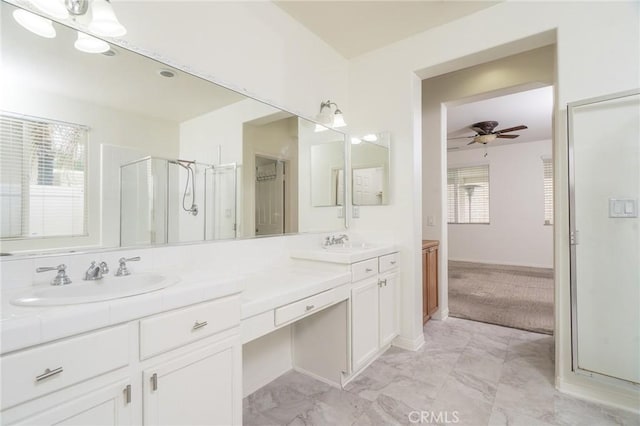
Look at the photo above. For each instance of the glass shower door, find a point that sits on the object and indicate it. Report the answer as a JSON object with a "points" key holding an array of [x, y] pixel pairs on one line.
{"points": [[604, 137]]}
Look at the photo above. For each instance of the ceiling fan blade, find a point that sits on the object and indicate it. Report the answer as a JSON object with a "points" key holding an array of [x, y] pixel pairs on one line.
{"points": [[484, 127], [473, 141], [511, 129], [478, 130], [461, 137], [507, 136]]}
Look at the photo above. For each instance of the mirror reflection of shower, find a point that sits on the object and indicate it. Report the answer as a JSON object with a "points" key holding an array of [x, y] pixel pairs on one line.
{"points": [[191, 178]]}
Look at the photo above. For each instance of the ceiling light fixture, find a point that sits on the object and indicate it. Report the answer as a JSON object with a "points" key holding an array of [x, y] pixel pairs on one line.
{"points": [[327, 117], [34, 23], [88, 44]]}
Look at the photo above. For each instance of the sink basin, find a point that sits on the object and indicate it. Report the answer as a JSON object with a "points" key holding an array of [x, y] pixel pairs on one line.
{"points": [[349, 247], [108, 288]]}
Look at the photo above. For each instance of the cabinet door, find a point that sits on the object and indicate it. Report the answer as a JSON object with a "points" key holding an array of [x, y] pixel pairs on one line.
{"points": [[200, 388], [364, 322], [432, 280], [388, 299], [108, 405]]}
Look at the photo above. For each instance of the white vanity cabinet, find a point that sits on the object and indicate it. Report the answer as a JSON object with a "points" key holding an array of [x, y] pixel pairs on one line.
{"points": [[374, 307], [196, 384], [182, 366]]}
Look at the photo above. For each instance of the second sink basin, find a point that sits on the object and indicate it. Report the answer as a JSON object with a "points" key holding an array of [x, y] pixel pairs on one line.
{"points": [[349, 247], [107, 288]]}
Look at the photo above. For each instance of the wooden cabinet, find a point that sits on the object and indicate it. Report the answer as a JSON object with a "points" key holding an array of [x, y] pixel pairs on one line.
{"points": [[429, 278]]}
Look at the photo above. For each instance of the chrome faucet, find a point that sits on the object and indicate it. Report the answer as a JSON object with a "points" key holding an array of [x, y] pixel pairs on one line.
{"points": [[123, 270], [61, 278], [95, 272], [333, 240]]}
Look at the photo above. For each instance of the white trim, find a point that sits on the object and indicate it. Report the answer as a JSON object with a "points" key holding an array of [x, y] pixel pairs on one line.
{"points": [[409, 344], [317, 377], [485, 262], [600, 393]]}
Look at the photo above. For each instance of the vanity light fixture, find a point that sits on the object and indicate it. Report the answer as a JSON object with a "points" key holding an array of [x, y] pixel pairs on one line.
{"points": [[89, 44], [104, 21], [55, 8], [356, 141], [329, 118], [34, 23], [370, 137]]}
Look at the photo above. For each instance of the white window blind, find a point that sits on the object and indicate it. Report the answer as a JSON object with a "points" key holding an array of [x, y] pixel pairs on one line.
{"points": [[42, 178], [548, 191], [468, 194]]}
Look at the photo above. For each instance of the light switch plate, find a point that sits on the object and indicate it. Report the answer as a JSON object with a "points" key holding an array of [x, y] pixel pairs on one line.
{"points": [[623, 207]]}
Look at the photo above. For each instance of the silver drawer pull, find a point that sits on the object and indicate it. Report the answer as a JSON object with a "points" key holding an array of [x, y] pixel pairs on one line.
{"points": [[198, 325], [393, 262], [309, 307], [368, 270], [48, 373], [154, 381]]}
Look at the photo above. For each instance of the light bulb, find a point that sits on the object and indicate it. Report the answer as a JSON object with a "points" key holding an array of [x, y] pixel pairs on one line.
{"points": [[356, 141], [320, 128], [88, 44], [34, 23], [370, 138], [104, 21], [54, 8]]}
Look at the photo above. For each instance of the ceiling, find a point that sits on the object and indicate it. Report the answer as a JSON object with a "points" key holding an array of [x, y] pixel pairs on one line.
{"points": [[356, 27], [533, 108], [53, 65]]}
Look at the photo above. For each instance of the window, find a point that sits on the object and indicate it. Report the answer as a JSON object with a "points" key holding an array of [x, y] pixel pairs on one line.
{"points": [[548, 191], [42, 178], [468, 195]]}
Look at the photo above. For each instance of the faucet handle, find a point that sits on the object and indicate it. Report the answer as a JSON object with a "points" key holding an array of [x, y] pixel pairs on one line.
{"points": [[61, 278], [123, 270]]}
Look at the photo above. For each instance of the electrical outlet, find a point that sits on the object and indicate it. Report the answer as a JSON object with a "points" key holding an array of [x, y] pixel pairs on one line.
{"points": [[429, 220]]}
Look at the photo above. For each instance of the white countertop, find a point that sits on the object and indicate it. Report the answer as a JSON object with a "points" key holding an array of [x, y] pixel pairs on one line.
{"points": [[347, 256], [285, 284], [21, 326]]}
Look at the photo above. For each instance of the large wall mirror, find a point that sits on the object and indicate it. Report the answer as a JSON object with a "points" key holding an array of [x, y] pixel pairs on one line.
{"points": [[117, 149]]}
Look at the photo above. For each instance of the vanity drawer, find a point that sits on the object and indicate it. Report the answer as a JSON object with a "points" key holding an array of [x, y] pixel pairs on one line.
{"points": [[303, 307], [35, 372], [364, 269], [173, 329], [388, 262]]}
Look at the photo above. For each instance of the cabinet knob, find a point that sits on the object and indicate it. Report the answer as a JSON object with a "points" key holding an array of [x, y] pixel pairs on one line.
{"points": [[368, 270], [309, 307]]}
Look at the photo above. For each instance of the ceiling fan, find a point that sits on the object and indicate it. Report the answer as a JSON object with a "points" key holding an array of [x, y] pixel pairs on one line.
{"points": [[485, 134]]}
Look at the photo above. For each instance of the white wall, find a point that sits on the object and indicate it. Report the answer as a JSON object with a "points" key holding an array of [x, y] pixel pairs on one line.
{"points": [[145, 135], [516, 234], [592, 59]]}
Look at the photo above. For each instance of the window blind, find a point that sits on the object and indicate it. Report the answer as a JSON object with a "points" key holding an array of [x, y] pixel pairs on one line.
{"points": [[468, 194], [42, 178], [547, 165]]}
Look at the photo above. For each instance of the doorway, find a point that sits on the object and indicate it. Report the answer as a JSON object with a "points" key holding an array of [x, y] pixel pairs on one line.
{"points": [[270, 195]]}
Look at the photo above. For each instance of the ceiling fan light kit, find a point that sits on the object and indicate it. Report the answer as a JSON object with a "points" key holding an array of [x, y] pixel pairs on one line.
{"points": [[485, 133]]}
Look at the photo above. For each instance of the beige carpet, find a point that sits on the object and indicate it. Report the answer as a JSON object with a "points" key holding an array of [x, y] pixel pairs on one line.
{"points": [[511, 296]]}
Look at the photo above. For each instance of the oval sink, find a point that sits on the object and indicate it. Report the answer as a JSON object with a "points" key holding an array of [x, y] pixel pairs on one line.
{"points": [[349, 247], [108, 288]]}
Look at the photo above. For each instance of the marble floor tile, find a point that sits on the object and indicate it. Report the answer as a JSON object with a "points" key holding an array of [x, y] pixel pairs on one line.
{"points": [[484, 374]]}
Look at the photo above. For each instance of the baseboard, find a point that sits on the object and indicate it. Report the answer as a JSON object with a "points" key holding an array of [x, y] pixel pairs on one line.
{"points": [[317, 377], [498, 264], [441, 314], [409, 344], [625, 399]]}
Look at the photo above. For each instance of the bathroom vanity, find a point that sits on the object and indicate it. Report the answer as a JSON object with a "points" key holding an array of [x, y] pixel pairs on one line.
{"points": [[174, 355]]}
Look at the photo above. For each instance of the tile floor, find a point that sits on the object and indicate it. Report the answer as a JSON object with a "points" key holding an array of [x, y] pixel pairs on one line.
{"points": [[476, 373]]}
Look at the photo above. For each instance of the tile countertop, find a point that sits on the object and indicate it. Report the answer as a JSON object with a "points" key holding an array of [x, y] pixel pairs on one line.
{"points": [[267, 289], [343, 256], [22, 326], [282, 285]]}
